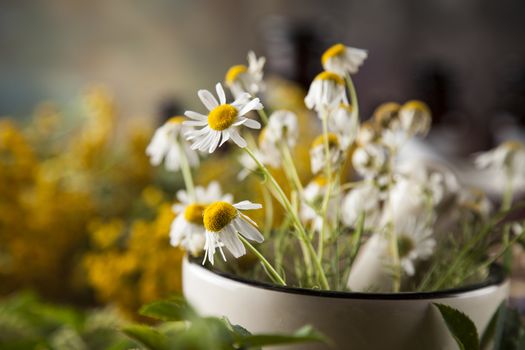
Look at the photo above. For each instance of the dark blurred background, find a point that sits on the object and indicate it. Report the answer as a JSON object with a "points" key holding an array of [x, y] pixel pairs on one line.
{"points": [[465, 58]]}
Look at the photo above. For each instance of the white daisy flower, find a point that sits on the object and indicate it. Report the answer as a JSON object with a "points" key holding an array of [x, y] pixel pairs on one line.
{"points": [[367, 133], [415, 118], [269, 149], [222, 222], [509, 156], [167, 144], [241, 79], [365, 198], [313, 196], [318, 152], [370, 159], [414, 242], [344, 123], [187, 229], [222, 121], [341, 59], [326, 92]]}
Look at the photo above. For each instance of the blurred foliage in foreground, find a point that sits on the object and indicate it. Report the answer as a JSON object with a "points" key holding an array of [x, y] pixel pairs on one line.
{"points": [[183, 328], [28, 323]]}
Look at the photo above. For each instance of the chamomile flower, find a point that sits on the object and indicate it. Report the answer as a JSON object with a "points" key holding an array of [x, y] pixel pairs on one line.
{"points": [[415, 118], [222, 121], [414, 242], [509, 156], [326, 92], [167, 144], [364, 199], [342, 59], [370, 159], [222, 222], [269, 149], [241, 79], [318, 152], [367, 133], [344, 123], [187, 229]]}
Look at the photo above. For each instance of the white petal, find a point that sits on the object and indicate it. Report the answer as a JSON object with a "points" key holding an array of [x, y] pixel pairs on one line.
{"points": [[229, 237], [208, 99], [247, 205], [195, 115], [220, 93], [248, 230], [253, 124], [237, 138], [195, 122], [253, 104]]}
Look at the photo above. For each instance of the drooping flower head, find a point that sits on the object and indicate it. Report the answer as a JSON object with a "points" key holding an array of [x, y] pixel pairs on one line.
{"points": [[311, 203], [168, 144], [222, 121], [364, 199], [318, 157], [415, 243], [246, 79], [222, 222], [344, 123], [282, 128], [509, 156], [187, 229], [342, 59], [326, 92], [370, 159], [415, 118]]}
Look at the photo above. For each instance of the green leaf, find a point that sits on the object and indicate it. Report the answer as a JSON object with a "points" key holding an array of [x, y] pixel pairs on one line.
{"points": [[490, 330], [147, 336], [460, 326], [303, 335], [175, 309], [356, 237]]}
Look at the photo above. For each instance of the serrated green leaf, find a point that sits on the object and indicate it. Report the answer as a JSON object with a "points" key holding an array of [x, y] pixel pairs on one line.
{"points": [[304, 335], [175, 309], [460, 326], [147, 336]]}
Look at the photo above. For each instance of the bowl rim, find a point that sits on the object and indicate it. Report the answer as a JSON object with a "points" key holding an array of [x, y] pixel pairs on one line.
{"points": [[496, 278]]}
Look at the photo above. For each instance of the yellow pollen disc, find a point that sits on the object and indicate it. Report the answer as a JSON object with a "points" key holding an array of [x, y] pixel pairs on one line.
{"points": [[513, 145], [386, 113], [333, 140], [222, 117], [176, 120], [218, 215], [193, 213], [333, 51], [336, 78], [415, 105], [234, 72], [405, 245], [320, 180]]}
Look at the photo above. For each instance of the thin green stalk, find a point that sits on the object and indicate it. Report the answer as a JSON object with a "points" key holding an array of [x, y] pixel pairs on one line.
{"points": [[268, 211], [263, 116], [297, 222], [263, 260], [326, 199], [186, 173], [507, 195], [288, 159]]}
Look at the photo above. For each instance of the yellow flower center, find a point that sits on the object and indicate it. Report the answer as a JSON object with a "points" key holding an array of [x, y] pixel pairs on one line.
{"points": [[320, 180], [346, 107], [386, 114], [194, 212], [222, 117], [333, 51], [417, 106], [234, 72], [405, 245], [336, 78], [333, 140], [176, 120], [218, 215]]}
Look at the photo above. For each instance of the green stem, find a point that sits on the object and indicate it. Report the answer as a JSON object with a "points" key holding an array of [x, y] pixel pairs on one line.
{"points": [[263, 260], [268, 207], [290, 165], [263, 116], [297, 222], [507, 195], [186, 173]]}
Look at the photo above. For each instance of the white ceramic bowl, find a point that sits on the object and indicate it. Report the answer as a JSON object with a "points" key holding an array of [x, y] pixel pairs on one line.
{"points": [[352, 321]]}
